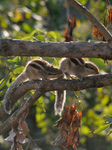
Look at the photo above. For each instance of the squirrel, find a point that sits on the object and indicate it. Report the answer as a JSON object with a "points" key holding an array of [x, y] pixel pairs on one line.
{"points": [[73, 66], [41, 69], [35, 69], [78, 67]]}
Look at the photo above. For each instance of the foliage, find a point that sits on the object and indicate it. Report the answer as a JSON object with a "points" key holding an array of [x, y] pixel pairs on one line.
{"points": [[45, 21]]}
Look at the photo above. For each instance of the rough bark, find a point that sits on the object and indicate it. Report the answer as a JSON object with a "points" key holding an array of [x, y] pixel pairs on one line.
{"points": [[20, 111], [9, 47], [51, 85]]}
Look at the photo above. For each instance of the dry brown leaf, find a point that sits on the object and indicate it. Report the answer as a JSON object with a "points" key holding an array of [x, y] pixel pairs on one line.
{"points": [[69, 125]]}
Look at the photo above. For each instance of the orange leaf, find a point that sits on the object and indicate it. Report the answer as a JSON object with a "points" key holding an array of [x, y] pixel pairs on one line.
{"points": [[66, 32], [80, 115], [74, 22], [69, 30], [72, 109], [70, 121], [96, 32], [110, 15]]}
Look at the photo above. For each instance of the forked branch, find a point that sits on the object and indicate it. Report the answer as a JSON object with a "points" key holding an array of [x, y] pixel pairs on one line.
{"points": [[101, 28], [52, 85]]}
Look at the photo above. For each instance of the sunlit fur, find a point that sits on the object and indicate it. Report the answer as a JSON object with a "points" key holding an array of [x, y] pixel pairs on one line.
{"points": [[78, 67], [35, 69]]}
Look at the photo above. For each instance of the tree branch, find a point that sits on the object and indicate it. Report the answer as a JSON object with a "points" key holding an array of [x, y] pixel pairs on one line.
{"points": [[9, 47], [52, 85], [107, 35], [20, 111]]}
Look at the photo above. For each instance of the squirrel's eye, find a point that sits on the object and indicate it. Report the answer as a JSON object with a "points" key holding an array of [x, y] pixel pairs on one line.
{"points": [[92, 68], [52, 74]]}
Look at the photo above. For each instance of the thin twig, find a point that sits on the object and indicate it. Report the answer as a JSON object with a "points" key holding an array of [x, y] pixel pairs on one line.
{"points": [[101, 28], [28, 145], [32, 140], [8, 74]]}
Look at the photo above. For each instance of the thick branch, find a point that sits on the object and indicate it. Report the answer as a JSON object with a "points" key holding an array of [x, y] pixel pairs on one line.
{"points": [[52, 85], [9, 47], [92, 19], [20, 111]]}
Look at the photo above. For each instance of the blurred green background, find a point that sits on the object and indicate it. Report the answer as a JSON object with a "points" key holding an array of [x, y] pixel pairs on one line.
{"points": [[46, 20]]}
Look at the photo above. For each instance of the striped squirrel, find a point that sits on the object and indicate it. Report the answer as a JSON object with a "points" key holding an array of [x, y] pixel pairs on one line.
{"points": [[41, 69], [78, 67], [35, 69], [73, 66]]}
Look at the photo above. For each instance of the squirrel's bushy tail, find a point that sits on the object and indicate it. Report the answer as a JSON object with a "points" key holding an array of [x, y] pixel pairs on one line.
{"points": [[60, 99], [8, 102]]}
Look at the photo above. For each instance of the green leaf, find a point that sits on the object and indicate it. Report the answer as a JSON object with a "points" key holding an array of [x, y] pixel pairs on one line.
{"points": [[1, 102], [26, 27], [16, 59], [3, 82], [85, 130], [10, 61], [27, 38], [105, 100], [41, 38], [83, 2], [2, 92], [102, 128], [51, 36], [107, 116], [40, 105], [37, 32], [4, 23], [28, 15], [18, 70], [40, 117]]}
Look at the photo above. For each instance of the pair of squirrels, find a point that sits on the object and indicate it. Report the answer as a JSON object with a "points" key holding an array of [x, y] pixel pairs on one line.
{"points": [[41, 69]]}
